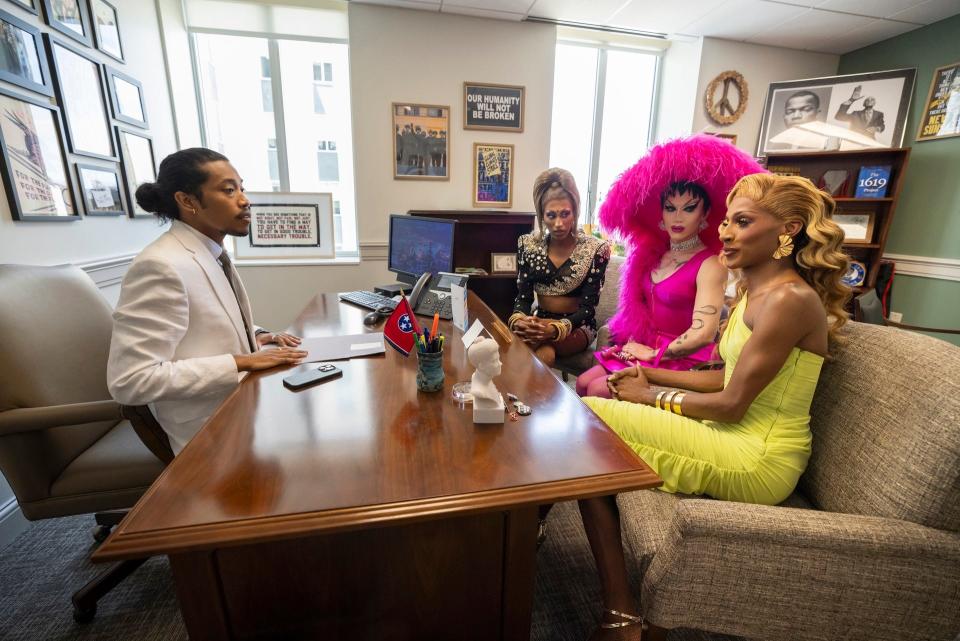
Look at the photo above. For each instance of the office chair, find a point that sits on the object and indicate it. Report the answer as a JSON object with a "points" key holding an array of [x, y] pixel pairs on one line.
{"points": [[66, 448]]}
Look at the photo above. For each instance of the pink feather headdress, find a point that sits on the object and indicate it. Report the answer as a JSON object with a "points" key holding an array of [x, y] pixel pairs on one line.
{"points": [[632, 208]]}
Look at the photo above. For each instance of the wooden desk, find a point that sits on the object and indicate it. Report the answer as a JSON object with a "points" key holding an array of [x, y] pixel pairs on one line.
{"points": [[362, 509]]}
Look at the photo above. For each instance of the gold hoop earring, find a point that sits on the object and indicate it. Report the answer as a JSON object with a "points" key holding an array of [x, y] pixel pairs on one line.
{"points": [[785, 248]]}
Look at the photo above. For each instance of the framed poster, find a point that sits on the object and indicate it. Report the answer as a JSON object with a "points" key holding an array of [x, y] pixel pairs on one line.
{"points": [[126, 98], [100, 188], [106, 28], [941, 113], [138, 165], [857, 228], [35, 174], [492, 175], [421, 141], [857, 111], [81, 92], [26, 5], [69, 17], [288, 225], [24, 60], [493, 107]]}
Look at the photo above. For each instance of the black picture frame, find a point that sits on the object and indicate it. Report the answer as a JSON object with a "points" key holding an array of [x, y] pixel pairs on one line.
{"points": [[30, 6], [492, 107], [49, 9], [116, 99], [85, 172], [829, 113], [103, 44], [72, 120], [46, 85], [16, 164], [130, 166]]}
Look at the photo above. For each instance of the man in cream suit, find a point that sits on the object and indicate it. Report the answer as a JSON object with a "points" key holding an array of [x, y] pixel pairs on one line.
{"points": [[182, 330]]}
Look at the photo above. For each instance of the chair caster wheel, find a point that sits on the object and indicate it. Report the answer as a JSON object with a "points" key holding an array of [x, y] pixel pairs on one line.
{"points": [[81, 615], [101, 532]]}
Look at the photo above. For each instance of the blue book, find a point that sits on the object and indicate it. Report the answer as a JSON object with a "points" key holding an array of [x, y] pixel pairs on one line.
{"points": [[873, 181]]}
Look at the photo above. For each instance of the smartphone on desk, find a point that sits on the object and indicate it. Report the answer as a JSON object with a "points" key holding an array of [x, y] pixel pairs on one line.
{"points": [[304, 379]]}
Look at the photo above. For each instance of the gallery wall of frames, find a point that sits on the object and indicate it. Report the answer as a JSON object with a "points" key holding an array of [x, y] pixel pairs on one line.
{"points": [[74, 134]]}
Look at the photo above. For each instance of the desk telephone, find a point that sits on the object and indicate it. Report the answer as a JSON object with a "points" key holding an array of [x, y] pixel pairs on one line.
{"points": [[431, 295]]}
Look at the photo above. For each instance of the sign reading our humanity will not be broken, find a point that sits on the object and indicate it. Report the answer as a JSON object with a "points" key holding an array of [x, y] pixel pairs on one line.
{"points": [[497, 107]]}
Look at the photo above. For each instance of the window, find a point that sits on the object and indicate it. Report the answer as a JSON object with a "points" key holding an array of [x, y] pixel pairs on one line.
{"points": [[266, 84], [602, 115], [328, 169], [304, 146], [273, 162], [322, 77]]}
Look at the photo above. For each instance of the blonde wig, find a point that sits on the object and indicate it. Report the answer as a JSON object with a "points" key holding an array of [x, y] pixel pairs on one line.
{"points": [[553, 184], [818, 254]]}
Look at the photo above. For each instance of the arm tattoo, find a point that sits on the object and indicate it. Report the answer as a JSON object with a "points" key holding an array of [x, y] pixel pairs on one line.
{"points": [[709, 310], [697, 324]]}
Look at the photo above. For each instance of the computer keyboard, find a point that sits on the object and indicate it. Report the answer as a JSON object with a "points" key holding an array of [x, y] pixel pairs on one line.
{"points": [[370, 300]]}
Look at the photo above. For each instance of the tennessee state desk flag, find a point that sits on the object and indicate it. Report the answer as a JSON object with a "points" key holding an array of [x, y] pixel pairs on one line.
{"points": [[401, 328]]}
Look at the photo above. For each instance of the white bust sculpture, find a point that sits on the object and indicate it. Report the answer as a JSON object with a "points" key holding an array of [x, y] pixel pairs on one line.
{"points": [[484, 355]]}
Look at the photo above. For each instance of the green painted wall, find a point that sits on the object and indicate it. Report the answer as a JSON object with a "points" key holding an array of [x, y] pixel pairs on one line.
{"points": [[927, 221]]}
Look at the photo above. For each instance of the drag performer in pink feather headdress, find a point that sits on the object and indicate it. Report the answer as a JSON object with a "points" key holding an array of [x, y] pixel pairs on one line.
{"points": [[668, 207]]}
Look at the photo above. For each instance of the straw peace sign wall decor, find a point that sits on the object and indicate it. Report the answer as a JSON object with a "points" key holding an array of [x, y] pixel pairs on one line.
{"points": [[722, 111]]}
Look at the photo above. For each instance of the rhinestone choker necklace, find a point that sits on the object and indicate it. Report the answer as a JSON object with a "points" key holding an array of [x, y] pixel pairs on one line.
{"points": [[686, 245]]}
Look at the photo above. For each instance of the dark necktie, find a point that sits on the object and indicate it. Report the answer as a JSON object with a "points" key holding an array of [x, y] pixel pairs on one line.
{"points": [[228, 272]]}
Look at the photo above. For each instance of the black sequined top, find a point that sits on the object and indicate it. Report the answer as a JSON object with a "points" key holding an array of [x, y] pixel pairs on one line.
{"points": [[580, 276]]}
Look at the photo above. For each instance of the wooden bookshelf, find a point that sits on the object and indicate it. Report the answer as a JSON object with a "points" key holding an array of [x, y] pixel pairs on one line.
{"points": [[813, 165], [476, 236]]}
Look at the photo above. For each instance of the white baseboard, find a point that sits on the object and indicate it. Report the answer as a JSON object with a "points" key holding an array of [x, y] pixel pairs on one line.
{"points": [[12, 522], [107, 272], [927, 266]]}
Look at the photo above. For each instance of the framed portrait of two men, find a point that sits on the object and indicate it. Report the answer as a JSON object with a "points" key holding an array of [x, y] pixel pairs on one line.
{"points": [[856, 111]]}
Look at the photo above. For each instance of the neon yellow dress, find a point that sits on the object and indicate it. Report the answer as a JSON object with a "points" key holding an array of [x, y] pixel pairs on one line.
{"points": [[758, 460]]}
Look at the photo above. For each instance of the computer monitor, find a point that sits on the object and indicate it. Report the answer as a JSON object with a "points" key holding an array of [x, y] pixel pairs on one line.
{"points": [[418, 245]]}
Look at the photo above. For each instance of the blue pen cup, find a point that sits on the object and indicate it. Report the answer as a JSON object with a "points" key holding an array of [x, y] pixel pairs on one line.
{"points": [[430, 371]]}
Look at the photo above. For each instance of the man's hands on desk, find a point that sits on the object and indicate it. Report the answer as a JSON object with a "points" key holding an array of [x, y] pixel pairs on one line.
{"points": [[286, 353]]}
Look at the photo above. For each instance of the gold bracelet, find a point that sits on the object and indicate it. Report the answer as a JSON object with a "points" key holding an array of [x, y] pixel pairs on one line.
{"points": [[676, 403], [514, 317], [563, 329], [669, 399], [656, 403]]}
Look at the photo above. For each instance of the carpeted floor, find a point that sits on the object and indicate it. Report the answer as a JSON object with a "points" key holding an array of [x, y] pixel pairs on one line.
{"points": [[41, 569]]}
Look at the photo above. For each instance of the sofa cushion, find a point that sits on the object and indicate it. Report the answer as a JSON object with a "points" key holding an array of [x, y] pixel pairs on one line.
{"points": [[886, 428]]}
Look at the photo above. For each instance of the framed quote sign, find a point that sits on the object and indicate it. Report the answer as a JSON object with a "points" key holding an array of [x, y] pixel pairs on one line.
{"points": [[493, 107], [288, 225]]}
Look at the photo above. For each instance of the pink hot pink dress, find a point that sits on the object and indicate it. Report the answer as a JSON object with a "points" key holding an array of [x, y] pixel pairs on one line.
{"points": [[671, 309]]}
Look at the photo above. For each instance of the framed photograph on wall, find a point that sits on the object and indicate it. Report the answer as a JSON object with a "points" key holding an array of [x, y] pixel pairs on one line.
{"points": [[941, 113], [291, 225], [100, 188], [35, 172], [856, 111], [106, 28], [81, 91], [26, 5], [70, 18], [138, 164], [492, 175], [126, 98], [421, 141], [24, 62], [493, 107], [857, 227]]}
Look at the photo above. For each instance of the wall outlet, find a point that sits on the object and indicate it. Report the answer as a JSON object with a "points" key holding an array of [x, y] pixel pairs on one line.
{"points": [[896, 317]]}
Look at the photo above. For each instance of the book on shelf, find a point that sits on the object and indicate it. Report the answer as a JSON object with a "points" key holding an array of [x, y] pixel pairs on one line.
{"points": [[476, 271], [784, 170], [834, 182], [873, 181]]}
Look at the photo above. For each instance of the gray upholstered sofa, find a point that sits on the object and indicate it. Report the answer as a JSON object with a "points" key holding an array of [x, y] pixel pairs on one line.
{"points": [[868, 547]]}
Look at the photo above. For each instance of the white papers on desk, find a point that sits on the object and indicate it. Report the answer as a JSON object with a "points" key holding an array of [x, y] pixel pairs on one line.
{"points": [[333, 348]]}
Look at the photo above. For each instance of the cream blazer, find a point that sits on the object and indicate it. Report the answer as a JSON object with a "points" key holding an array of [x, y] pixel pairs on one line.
{"points": [[175, 330]]}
